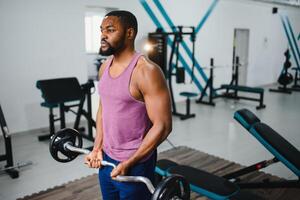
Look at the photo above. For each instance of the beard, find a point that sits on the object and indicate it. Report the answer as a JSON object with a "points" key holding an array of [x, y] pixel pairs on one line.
{"points": [[109, 51], [112, 50]]}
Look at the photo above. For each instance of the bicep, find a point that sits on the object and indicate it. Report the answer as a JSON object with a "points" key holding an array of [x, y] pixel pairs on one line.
{"points": [[157, 97]]}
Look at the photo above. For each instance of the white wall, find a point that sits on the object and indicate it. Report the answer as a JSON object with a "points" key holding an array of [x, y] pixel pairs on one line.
{"points": [[45, 39], [39, 39]]}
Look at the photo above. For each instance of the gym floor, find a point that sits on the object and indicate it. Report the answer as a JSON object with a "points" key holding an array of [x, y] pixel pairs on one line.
{"points": [[213, 131]]}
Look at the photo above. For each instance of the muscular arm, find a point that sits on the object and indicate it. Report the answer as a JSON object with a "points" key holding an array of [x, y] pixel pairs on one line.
{"points": [[99, 130], [99, 133], [94, 158], [153, 87]]}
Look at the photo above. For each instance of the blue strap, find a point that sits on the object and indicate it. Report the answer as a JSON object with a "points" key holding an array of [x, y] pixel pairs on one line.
{"points": [[289, 40], [293, 38]]}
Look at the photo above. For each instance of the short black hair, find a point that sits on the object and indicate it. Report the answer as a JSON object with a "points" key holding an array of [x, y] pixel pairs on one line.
{"points": [[127, 19]]}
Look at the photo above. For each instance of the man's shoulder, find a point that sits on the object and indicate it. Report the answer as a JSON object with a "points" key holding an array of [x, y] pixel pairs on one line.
{"points": [[145, 65], [148, 73], [104, 65]]}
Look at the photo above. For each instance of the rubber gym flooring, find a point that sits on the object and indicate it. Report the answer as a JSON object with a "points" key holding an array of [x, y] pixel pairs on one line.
{"points": [[87, 188]]}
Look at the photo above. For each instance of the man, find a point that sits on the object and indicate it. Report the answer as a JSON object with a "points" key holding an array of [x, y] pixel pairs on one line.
{"points": [[134, 114]]}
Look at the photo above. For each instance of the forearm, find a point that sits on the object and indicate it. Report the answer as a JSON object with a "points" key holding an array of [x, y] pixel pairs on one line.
{"points": [[99, 133], [155, 136], [98, 142]]}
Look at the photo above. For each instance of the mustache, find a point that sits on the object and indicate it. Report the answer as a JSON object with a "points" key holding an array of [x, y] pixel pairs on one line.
{"points": [[103, 40]]}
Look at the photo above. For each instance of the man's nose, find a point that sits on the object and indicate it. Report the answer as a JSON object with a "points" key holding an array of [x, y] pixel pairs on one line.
{"points": [[103, 35]]}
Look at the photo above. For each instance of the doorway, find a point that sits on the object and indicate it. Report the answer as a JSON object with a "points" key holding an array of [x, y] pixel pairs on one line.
{"points": [[241, 49]]}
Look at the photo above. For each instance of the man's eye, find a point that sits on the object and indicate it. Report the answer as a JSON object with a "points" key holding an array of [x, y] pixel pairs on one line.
{"points": [[111, 30]]}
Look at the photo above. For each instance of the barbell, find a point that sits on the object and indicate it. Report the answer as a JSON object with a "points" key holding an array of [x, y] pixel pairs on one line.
{"points": [[66, 145]]}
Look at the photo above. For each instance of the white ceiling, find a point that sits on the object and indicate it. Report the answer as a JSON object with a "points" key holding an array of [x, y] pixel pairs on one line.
{"points": [[295, 3]]}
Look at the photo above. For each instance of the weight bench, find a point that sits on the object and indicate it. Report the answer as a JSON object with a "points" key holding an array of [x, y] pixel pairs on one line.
{"points": [[246, 118], [201, 182], [236, 88], [215, 187], [58, 92], [282, 150]]}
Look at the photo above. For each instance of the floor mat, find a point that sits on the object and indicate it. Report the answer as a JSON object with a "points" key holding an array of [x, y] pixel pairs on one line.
{"points": [[88, 189]]}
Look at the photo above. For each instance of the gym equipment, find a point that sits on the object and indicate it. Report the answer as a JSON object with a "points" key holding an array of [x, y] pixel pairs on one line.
{"points": [[188, 95], [285, 78], [296, 86], [233, 86], [159, 56], [9, 168], [227, 186], [293, 45], [158, 51], [59, 92], [282, 150], [64, 137], [201, 182], [68, 142]]}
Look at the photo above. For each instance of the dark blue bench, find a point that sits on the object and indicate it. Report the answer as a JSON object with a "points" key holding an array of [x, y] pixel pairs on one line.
{"points": [[282, 150], [246, 118], [215, 187], [243, 88], [56, 92], [201, 182], [236, 88]]}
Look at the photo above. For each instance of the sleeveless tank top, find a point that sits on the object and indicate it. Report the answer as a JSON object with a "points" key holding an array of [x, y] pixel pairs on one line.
{"points": [[124, 119]]}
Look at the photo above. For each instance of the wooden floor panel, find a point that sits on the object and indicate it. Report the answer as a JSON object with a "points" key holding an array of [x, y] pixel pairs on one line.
{"points": [[88, 188]]}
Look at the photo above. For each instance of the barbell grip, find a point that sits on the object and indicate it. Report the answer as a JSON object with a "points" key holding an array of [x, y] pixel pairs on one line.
{"points": [[119, 178], [139, 179], [68, 146]]}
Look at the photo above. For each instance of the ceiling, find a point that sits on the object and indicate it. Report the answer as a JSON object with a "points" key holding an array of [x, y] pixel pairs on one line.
{"points": [[295, 3]]}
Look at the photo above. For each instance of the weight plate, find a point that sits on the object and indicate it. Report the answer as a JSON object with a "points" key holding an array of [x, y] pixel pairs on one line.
{"points": [[59, 139], [172, 187]]}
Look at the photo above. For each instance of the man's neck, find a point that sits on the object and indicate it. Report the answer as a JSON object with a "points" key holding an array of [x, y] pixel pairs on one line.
{"points": [[124, 56]]}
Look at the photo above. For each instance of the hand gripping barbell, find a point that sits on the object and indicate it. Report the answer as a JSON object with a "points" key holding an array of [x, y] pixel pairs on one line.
{"points": [[66, 145]]}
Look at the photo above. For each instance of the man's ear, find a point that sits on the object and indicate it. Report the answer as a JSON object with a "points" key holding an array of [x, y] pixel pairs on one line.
{"points": [[130, 33]]}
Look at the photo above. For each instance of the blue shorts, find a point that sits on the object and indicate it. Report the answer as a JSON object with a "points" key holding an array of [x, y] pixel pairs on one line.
{"points": [[114, 190]]}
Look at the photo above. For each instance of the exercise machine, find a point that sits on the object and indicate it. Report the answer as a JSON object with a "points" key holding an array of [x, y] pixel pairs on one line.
{"points": [[59, 93], [66, 145], [9, 168], [231, 89], [171, 68], [293, 46], [286, 78]]}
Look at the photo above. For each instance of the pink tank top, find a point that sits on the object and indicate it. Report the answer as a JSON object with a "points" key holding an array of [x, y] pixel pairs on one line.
{"points": [[124, 119]]}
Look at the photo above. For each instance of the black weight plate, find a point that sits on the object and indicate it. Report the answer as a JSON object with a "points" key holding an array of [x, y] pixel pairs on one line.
{"points": [[56, 146], [285, 79], [172, 187]]}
